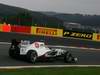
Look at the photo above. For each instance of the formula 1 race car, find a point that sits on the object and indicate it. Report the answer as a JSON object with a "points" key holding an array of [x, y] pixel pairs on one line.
{"points": [[35, 51]]}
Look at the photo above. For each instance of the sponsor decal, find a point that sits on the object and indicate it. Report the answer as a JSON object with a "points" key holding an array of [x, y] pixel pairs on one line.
{"points": [[36, 45], [78, 35], [45, 31]]}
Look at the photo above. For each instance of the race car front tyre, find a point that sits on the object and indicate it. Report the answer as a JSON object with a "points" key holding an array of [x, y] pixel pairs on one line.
{"points": [[68, 58], [31, 56]]}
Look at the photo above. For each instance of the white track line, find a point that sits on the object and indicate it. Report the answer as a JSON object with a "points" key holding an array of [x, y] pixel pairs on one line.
{"points": [[5, 43], [46, 66]]}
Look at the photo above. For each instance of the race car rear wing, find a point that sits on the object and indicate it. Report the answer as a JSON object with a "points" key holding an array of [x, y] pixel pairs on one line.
{"points": [[17, 42]]}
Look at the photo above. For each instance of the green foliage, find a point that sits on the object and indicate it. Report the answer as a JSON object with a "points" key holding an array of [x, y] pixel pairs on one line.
{"points": [[87, 20], [21, 16]]}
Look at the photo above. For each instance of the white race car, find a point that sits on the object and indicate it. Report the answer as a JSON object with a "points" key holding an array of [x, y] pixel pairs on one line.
{"points": [[38, 51]]}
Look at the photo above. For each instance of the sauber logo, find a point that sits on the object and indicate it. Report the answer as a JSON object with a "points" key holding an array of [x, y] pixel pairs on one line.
{"points": [[36, 45]]}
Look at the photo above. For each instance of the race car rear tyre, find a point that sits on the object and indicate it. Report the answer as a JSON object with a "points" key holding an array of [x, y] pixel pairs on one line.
{"points": [[14, 53], [11, 53], [32, 56]]}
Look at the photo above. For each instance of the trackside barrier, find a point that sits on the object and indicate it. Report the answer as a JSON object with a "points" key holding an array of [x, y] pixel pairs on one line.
{"points": [[6, 28], [44, 31], [47, 31], [20, 29], [81, 35]]}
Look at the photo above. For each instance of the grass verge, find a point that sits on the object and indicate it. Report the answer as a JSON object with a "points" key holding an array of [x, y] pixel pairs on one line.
{"points": [[53, 71]]}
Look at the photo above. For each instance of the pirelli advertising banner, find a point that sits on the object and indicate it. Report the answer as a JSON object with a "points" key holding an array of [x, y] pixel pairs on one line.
{"points": [[77, 35], [96, 37], [47, 31]]}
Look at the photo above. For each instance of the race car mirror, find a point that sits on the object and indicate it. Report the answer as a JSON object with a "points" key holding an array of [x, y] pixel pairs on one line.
{"points": [[36, 45]]}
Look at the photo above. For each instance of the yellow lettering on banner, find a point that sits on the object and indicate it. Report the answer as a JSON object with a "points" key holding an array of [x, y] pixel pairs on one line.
{"points": [[73, 34], [89, 36], [83, 35], [78, 35], [66, 33], [86, 36]]}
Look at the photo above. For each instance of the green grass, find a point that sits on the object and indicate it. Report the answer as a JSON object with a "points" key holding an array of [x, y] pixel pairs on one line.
{"points": [[52, 71]]}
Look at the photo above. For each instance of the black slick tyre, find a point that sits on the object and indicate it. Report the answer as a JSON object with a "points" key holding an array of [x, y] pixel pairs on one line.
{"points": [[67, 57], [31, 56]]}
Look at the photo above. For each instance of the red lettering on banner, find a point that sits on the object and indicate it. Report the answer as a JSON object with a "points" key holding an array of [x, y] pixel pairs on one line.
{"points": [[98, 37], [46, 31]]}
